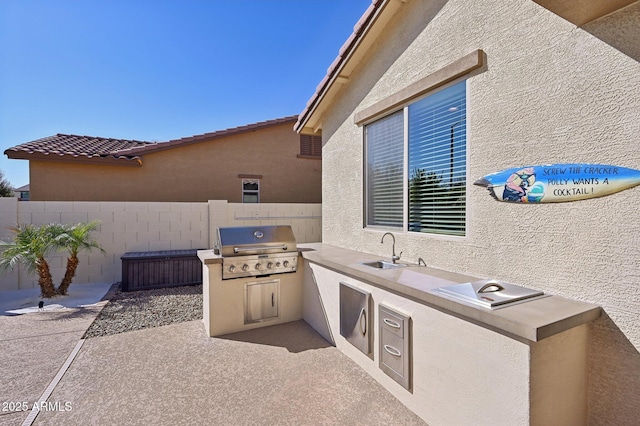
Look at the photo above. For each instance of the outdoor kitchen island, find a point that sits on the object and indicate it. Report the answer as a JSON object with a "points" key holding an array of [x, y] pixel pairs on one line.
{"points": [[224, 301], [251, 279], [450, 362], [523, 364]]}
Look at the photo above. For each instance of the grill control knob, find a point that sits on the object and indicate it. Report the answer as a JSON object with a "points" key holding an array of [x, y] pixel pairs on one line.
{"points": [[258, 266], [232, 268], [277, 264], [285, 263], [245, 267], [269, 265]]}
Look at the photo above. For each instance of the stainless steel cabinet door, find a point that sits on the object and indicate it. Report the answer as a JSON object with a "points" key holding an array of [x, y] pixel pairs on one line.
{"points": [[354, 317], [261, 301]]}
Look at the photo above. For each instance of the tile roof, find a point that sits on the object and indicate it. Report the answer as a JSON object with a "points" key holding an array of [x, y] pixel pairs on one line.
{"points": [[207, 136], [343, 54], [63, 146], [75, 146]]}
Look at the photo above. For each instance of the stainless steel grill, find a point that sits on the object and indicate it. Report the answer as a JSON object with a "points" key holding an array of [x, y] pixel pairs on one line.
{"points": [[251, 251]]}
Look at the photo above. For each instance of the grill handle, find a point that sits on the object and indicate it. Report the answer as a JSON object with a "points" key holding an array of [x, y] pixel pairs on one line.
{"points": [[258, 248]]}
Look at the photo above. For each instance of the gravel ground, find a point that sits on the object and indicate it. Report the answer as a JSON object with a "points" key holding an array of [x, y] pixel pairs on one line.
{"points": [[135, 310]]}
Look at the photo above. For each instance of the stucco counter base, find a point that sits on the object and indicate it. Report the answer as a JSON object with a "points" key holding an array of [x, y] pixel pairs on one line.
{"points": [[224, 302], [524, 364]]}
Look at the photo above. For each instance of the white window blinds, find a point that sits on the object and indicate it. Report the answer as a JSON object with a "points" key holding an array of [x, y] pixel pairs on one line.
{"points": [[437, 162], [384, 142]]}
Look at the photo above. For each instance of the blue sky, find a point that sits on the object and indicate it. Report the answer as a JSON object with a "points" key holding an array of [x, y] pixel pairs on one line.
{"points": [[156, 70]]}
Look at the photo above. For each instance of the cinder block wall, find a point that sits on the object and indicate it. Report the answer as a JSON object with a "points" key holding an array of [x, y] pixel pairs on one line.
{"points": [[304, 219], [143, 226], [8, 217]]}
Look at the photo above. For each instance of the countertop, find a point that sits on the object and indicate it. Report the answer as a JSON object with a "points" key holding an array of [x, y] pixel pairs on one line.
{"points": [[208, 257], [532, 320]]}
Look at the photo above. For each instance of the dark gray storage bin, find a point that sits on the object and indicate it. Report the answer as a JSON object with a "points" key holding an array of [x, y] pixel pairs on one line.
{"points": [[158, 269]]}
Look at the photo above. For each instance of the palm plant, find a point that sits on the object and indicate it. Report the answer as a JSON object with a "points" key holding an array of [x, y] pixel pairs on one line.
{"points": [[74, 238], [31, 245]]}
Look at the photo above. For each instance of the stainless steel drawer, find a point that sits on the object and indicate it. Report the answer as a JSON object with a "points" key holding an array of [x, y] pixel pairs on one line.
{"points": [[395, 356], [392, 352], [391, 322]]}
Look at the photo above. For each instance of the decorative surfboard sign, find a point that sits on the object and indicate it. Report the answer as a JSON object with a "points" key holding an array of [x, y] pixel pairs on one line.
{"points": [[558, 183]]}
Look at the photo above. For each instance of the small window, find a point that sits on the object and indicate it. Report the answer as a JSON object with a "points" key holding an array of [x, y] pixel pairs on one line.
{"points": [[250, 190], [310, 146]]}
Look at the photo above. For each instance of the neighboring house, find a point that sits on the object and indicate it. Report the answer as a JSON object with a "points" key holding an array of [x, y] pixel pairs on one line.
{"points": [[22, 193], [501, 85], [264, 162]]}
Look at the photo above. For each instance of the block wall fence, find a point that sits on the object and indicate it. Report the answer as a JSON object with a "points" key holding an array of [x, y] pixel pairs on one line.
{"points": [[143, 226]]}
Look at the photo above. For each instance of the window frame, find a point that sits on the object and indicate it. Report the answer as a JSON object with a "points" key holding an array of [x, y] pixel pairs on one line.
{"points": [[366, 178], [404, 107], [250, 191], [310, 147]]}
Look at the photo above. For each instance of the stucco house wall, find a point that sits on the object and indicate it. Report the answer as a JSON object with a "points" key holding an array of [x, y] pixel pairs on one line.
{"points": [[195, 172], [550, 92]]}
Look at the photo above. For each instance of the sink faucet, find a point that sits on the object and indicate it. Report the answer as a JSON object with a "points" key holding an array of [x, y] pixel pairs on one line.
{"points": [[393, 247]]}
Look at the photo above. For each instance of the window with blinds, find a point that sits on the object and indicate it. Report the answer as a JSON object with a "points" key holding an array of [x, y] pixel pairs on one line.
{"points": [[250, 190], [310, 146], [385, 171], [438, 162], [426, 191]]}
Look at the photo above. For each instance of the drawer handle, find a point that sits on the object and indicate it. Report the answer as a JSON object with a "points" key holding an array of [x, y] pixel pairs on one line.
{"points": [[391, 323], [393, 351]]}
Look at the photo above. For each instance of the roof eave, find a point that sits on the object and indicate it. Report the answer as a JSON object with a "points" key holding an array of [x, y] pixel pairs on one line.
{"points": [[370, 26], [366, 31], [135, 161], [581, 12]]}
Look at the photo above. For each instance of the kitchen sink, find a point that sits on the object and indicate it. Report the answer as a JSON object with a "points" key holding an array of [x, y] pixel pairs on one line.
{"points": [[384, 264]]}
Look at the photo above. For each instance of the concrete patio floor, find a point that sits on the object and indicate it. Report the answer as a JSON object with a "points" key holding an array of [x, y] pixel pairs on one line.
{"points": [[177, 375]]}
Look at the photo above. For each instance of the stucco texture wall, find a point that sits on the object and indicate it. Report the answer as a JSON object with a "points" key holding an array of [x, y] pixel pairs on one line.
{"points": [[197, 172], [550, 93]]}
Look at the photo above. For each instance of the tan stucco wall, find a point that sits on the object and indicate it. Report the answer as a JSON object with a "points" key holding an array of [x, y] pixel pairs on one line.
{"points": [[197, 172], [551, 93]]}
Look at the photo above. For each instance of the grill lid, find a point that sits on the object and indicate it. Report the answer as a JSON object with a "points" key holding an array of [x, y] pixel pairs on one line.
{"points": [[251, 240]]}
